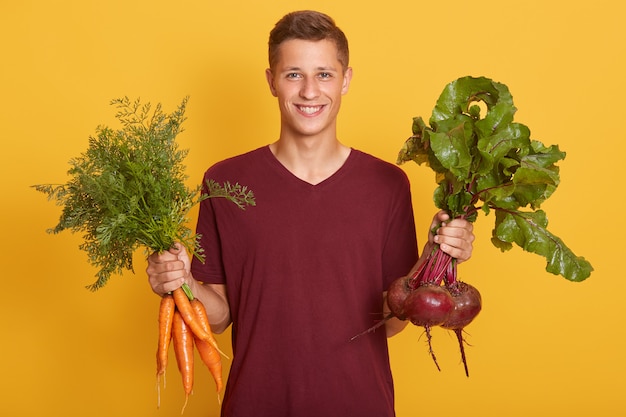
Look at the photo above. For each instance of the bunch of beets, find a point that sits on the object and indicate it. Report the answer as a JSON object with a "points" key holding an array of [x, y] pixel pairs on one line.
{"points": [[482, 164], [432, 296]]}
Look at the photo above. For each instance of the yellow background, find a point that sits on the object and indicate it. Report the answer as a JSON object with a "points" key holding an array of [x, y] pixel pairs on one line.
{"points": [[541, 346]]}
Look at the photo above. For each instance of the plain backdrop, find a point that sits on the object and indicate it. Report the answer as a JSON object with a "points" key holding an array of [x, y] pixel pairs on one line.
{"points": [[541, 346]]}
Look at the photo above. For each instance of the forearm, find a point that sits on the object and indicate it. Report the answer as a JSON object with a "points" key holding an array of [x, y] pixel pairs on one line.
{"points": [[394, 326]]}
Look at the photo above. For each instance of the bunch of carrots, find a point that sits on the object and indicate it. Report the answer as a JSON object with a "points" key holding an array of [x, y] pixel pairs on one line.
{"points": [[128, 190], [183, 321]]}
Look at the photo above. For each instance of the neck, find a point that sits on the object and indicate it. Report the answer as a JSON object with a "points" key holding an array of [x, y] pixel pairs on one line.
{"points": [[311, 160]]}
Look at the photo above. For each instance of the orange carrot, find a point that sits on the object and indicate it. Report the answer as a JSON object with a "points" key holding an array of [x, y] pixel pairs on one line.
{"points": [[200, 315], [211, 358], [183, 348], [166, 317], [183, 305], [209, 352]]}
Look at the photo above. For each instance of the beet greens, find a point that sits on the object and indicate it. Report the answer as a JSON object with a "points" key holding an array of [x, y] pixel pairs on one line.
{"points": [[485, 163], [492, 164]]}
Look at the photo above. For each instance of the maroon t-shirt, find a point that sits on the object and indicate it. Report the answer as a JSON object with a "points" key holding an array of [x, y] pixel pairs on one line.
{"points": [[305, 271]]}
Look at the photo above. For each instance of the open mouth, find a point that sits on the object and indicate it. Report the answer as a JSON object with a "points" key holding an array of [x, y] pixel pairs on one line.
{"points": [[310, 109]]}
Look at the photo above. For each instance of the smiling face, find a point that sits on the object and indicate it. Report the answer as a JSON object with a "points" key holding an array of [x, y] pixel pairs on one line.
{"points": [[309, 81]]}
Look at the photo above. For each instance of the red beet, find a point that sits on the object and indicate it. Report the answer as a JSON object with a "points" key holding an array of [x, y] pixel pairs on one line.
{"points": [[396, 295], [421, 299], [467, 305], [428, 305]]}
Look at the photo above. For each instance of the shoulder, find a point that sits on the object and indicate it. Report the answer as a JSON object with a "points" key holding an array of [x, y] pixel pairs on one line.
{"points": [[375, 162], [239, 164], [378, 169]]}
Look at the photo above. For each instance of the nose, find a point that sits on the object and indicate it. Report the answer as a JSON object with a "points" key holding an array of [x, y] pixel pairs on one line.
{"points": [[309, 89]]}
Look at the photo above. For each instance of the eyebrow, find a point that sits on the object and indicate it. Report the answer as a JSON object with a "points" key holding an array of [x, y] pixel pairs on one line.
{"points": [[295, 68]]}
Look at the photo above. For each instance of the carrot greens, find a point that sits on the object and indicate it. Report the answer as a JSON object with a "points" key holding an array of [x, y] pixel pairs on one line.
{"points": [[128, 190]]}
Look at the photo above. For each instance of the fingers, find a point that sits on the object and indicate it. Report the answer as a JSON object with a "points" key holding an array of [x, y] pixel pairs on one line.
{"points": [[456, 239], [166, 272]]}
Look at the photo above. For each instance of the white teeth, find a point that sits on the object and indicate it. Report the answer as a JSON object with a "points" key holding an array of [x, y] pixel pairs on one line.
{"points": [[310, 110]]}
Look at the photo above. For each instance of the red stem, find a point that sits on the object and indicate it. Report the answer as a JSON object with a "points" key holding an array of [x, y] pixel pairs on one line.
{"points": [[434, 270]]}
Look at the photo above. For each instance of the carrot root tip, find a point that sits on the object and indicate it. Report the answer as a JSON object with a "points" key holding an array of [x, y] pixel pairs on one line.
{"points": [[184, 405]]}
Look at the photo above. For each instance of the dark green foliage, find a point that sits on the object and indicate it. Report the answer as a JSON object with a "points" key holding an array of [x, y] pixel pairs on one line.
{"points": [[491, 163], [128, 190]]}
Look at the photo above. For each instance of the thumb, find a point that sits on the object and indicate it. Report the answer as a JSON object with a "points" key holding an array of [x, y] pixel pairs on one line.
{"points": [[176, 248], [181, 253]]}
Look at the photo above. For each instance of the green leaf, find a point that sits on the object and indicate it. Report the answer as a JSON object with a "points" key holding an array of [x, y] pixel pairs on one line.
{"points": [[417, 147], [237, 193], [529, 231], [458, 96], [495, 146], [450, 148]]}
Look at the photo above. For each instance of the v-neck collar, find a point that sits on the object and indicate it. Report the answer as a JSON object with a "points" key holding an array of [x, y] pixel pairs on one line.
{"points": [[283, 171]]}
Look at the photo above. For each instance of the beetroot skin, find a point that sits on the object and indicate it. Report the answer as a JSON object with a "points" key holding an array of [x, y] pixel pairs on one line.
{"points": [[467, 305], [396, 295], [428, 305]]}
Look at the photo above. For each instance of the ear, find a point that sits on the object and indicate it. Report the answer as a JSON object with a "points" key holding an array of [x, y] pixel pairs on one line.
{"points": [[347, 77], [270, 81]]}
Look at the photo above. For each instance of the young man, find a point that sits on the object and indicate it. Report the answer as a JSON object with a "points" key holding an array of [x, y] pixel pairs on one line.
{"points": [[306, 269]]}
